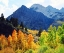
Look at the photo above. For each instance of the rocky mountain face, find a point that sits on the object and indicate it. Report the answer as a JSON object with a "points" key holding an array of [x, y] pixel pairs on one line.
{"points": [[49, 11], [32, 19]]}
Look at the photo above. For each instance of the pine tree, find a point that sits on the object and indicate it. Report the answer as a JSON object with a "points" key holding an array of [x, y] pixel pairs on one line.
{"points": [[2, 17]]}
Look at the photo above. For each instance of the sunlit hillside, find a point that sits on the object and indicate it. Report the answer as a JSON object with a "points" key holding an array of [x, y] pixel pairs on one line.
{"points": [[37, 29], [48, 42]]}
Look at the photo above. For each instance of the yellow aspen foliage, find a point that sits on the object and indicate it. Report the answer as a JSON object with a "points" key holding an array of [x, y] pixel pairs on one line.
{"points": [[30, 39], [26, 36], [57, 38], [31, 43], [26, 45], [3, 41], [23, 38], [34, 46], [3, 38], [9, 38], [20, 35], [14, 35], [25, 41], [0, 37], [44, 35]]}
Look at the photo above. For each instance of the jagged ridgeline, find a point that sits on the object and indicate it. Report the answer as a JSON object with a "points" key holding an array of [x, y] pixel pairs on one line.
{"points": [[49, 11], [6, 28], [31, 19]]}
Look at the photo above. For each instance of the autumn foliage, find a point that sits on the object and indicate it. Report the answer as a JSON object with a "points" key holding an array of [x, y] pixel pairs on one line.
{"points": [[51, 41], [18, 40]]}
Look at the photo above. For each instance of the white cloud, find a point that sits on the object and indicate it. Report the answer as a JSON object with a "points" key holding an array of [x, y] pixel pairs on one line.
{"points": [[54, 3], [57, 3], [29, 4], [37, 1], [13, 8], [5, 2], [7, 10], [2, 9], [34, 2]]}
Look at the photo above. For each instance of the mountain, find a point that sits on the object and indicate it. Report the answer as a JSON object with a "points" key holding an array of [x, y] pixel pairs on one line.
{"points": [[31, 19], [49, 11], [62, 10], [38, 8], [58, 15]]}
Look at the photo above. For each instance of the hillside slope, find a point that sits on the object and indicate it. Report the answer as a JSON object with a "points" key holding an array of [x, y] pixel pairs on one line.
{"points": [[31, 19]]}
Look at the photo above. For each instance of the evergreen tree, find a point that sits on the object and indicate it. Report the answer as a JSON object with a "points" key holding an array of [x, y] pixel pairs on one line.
{"points": [[26, 29], [2, 17], [14, 21], [22, 25], [39, 33]]}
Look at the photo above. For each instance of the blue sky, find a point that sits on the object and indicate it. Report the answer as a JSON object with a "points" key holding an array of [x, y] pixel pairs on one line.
{"points": [[9, 6]]}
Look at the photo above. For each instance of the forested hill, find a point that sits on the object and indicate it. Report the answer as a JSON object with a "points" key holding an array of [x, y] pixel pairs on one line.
{"points": [[31, 19]]}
